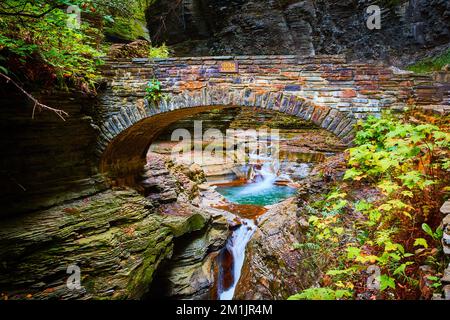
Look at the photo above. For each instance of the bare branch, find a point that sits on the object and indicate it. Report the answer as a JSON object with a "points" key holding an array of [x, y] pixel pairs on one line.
{"points": [[37, 105], [28, 15], [19, 10]]}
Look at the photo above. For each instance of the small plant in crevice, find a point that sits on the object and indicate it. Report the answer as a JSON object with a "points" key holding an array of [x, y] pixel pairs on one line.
{"points": [[154, 93]]}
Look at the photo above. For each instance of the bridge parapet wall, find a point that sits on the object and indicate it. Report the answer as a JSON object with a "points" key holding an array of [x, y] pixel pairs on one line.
{"points": [[324, 89]]}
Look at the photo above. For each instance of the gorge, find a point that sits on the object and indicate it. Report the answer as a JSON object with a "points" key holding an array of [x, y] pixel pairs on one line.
{"points": [[279, 152]]}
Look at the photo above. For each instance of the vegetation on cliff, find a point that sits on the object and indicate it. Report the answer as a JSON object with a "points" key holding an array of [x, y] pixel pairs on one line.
{"points": [[432, 64], [386, 214], [43, 43]]}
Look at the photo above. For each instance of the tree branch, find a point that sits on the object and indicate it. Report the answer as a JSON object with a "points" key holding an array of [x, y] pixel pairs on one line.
{"points": [[14, 12], [37, 105], [28, 15]]}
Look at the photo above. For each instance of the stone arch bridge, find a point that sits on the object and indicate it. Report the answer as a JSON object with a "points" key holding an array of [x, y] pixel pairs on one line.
{"points": [[326, 90]]}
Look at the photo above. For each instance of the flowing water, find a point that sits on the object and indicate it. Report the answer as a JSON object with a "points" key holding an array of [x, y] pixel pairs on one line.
{"points": [[236, 248], [262, 192], [254, 194]]}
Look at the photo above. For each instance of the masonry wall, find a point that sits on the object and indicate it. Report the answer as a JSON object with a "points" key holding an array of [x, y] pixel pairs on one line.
{"points": [[323, 89]]}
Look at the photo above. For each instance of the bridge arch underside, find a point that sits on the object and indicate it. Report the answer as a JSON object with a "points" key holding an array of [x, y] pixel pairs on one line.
{"points": [[128, 134]]}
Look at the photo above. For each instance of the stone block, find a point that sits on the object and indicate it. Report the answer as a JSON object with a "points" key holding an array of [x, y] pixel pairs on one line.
{"points": [[446, 276], [446, 290], [445, 209], [348, 93], [292, 88]]}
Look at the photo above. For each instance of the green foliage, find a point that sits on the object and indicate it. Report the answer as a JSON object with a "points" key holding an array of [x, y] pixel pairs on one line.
{"points": [[159, 52], [421, 242], [436, 235], [389, 149], [153, 91], [404, 163], [322, 294], [386, 282], [71, 55], [125, 19], [37, 43], [431, 64]]}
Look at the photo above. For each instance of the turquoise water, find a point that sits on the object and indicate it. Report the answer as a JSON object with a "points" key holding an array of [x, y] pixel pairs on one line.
{"points": [[262, 197]]}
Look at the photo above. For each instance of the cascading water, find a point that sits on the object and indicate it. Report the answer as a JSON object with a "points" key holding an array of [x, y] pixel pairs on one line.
{"points": [[267, 179], [260, 190], [236, 247]]}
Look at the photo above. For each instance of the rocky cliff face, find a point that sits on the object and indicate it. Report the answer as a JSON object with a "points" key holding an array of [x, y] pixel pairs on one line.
{"points": [[46, 161], [118, 239], [214, 27]]}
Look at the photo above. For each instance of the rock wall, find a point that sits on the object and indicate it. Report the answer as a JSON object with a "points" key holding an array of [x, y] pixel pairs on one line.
{"points": [[45, 160], [119, 240], [273, 270], [410, 29], [217, 27], [115, 238]]}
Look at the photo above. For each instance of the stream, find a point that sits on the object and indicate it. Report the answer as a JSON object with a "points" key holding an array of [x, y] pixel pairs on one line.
{"points": [[261, 191], [268, 174]]}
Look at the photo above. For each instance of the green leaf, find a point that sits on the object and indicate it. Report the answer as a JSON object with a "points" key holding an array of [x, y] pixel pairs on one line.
{"points": [[352, 174], [4, 70], [408, 194], [109, 18], [386, 282], [340, 272], [353, 252], [321, 294], [428, 230], [339, 205], [343, 293], [402, 268], [388, 186], [336, 195], [362, 206], [421, 242]]}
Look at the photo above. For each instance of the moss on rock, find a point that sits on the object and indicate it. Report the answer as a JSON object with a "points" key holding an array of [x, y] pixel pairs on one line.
{"points": [[116, 238]]}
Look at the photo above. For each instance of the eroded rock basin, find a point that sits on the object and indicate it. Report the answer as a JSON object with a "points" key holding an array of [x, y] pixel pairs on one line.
{"points": [[258, 200]]}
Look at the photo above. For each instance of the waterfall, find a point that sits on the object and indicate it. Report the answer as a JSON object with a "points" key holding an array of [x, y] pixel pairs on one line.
{"points": [[262, 173], [268, 178], [236, 246], [267, 172], [238, 242]]}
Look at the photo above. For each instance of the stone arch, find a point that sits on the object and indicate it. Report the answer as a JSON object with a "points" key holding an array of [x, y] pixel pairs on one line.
{"points": [[127, 134]]}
